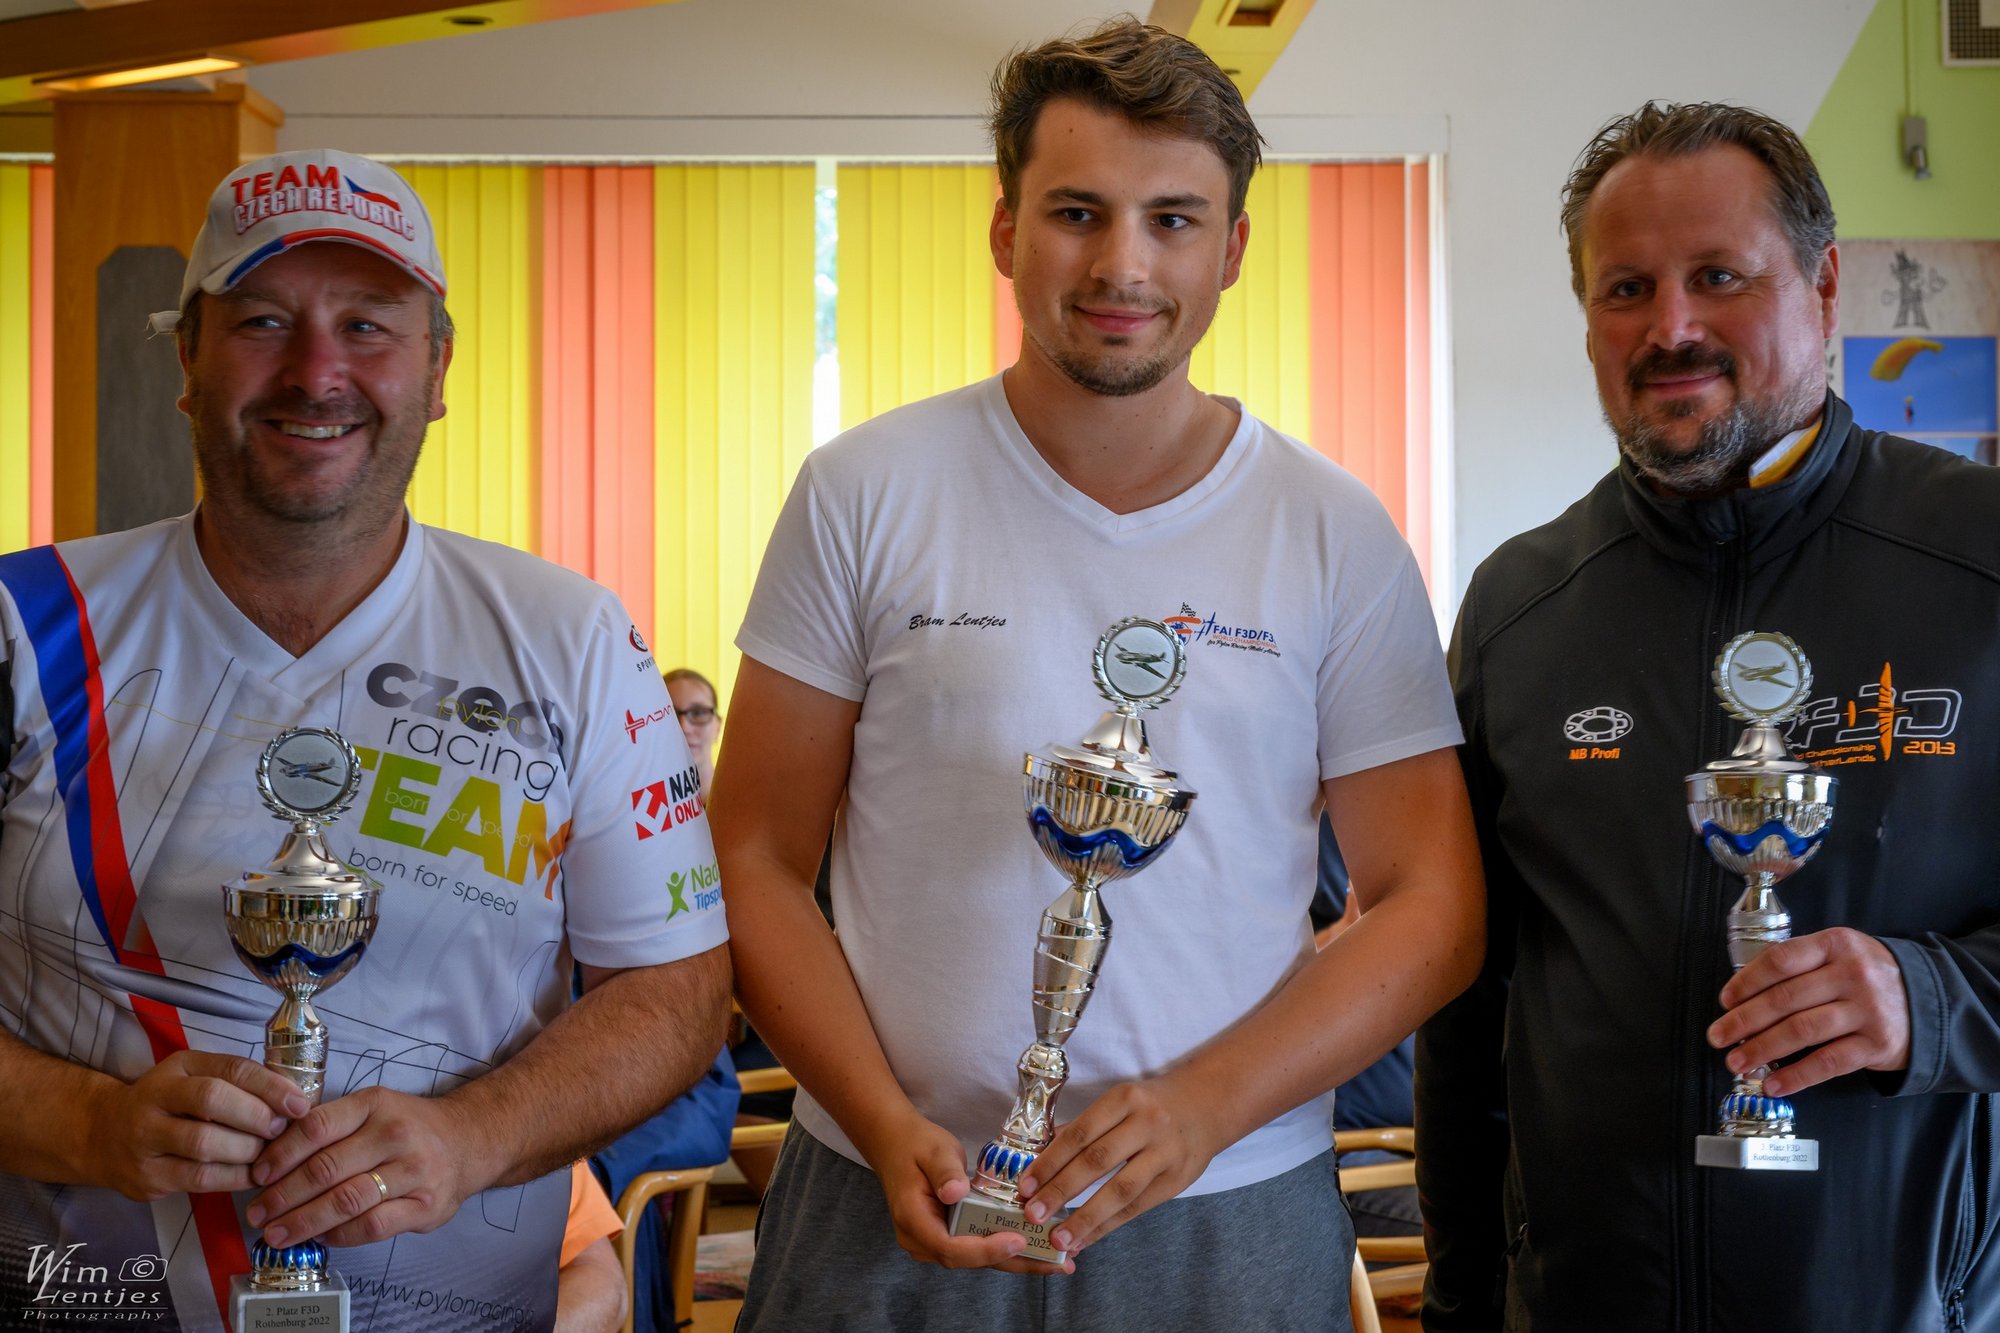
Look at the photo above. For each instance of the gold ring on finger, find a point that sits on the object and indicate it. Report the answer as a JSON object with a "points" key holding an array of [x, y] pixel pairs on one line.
{"points": [[381, 1185]]}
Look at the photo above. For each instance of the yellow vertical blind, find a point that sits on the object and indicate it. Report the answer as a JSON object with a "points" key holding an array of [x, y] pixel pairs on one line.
{"points": [[477, 474], [916, 284], [733, 342], [1259, 348], [16, 355]]}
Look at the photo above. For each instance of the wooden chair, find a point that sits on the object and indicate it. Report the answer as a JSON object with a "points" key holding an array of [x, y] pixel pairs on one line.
{"points": [[685, 1228], [775, 1078], [1361, 1299], [1406, 1278], [682, 1232]]}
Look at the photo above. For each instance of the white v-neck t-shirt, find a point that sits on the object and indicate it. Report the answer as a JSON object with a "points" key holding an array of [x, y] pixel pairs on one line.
{"points": [[931, 565]]}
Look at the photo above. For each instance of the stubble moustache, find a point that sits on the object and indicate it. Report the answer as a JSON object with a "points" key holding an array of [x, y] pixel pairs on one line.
{"points": [[228, 470], [1107, 375], [1726, 445]]}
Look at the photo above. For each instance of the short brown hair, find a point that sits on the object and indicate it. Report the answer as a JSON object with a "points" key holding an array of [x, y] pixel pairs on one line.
{"points": [[690, 674], [1666, 129], [1159, 81]]}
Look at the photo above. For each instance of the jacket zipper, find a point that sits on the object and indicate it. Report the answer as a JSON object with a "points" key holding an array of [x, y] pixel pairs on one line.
{"points": [[1976, 1231], [1700, 939]]}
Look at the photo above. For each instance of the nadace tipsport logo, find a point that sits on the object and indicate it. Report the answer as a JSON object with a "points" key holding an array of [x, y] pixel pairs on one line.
{"points": [[68, 1288]]}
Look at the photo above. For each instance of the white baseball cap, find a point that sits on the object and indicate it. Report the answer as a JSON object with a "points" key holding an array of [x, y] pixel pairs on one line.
{"points": [[267, 207]]}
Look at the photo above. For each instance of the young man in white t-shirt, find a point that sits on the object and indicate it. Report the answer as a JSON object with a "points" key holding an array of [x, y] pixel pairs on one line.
{"points": [[926, 613]]}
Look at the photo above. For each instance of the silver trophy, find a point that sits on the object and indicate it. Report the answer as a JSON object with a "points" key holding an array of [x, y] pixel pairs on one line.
{"points": [[1762, 814], [1101, 810], [299, 924]]}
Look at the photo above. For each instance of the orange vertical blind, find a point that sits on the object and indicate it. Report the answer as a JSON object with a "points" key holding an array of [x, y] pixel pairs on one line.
{"points": [[1371, 332], [596, 466]]}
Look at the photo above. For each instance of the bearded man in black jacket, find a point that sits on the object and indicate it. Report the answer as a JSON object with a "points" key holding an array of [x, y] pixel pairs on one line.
{"points": [[1558, 1100]]}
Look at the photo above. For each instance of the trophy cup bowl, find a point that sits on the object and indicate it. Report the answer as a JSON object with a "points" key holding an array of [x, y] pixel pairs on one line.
{"points": [[1761, 814], [1760, 823], [298, 943], [1100, 811], [1098, 827], [299, 924]]}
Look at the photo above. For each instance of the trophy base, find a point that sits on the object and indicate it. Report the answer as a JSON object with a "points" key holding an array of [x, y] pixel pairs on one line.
{"points": [[254, 1311], [1753, 1154], [978, 1215]]}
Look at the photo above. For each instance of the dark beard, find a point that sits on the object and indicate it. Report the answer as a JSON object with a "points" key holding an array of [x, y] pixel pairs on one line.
{"points": [[1726, 446], [1116, 380]]}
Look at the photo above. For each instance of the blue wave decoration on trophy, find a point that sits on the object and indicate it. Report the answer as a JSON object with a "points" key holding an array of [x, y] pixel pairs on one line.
{"points": [[1747, 847], [1100, 810], [299, 924], [1762, 814], [1067, 848]]}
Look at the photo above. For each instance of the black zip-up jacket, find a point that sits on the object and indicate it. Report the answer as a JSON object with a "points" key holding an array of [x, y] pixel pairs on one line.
{"points": [[1558, 1100]]}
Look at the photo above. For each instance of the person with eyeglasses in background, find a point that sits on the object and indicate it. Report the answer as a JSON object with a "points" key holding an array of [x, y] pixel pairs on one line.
{"points": [[695, 709]]}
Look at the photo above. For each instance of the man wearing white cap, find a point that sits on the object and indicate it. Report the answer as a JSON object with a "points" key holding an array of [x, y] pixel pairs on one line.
{"points": [[505, 807]]}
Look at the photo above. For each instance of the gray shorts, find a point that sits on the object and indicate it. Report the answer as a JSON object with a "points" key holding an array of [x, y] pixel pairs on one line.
{"points": [[1272, 1257]]}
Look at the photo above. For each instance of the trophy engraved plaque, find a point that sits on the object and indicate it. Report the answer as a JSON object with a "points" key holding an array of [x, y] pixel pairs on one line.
{"points": [[299, 924], [1762, 814], [1100, 810]]}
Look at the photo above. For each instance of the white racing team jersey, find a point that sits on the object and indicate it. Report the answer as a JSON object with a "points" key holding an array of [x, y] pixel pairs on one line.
{"points": [[527, 801]]}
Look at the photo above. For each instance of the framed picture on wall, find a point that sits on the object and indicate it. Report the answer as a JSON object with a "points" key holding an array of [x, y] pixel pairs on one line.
{"points": [[1919, 347]]}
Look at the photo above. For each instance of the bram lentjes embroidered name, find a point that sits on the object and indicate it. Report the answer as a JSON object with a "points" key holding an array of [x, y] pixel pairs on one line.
{"points": [[962, 618]]}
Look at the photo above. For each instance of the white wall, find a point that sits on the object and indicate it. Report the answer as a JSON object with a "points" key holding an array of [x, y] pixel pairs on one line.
{"points": [[1523, 87], [1510, 91]]}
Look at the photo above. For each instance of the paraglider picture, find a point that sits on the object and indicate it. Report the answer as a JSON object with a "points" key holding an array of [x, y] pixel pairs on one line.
{"points": [[1941, 390]]}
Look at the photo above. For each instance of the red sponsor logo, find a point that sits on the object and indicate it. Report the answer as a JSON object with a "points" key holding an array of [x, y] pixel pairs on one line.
{"points": [[634, 724], [315, 189], [267, 182], [668, 803]]}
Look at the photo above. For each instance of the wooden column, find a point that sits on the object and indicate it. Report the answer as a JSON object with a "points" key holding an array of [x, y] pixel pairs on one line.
{"points": [[134, 171]]}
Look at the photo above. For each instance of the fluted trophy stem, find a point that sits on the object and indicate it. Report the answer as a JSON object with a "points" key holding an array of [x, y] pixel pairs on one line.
{"points": [[295, 1046], [1069, 951], [1099, 811], [1761, 814]]}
